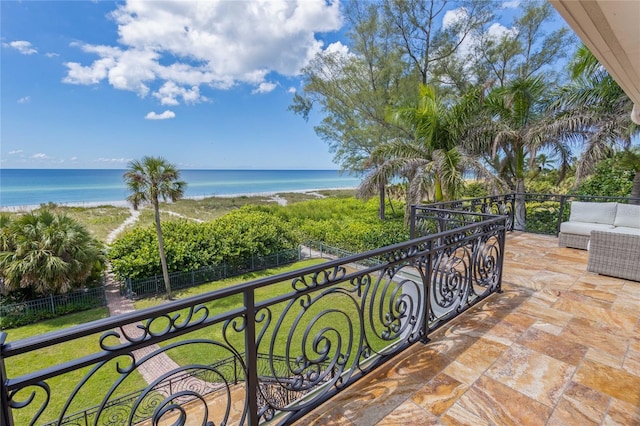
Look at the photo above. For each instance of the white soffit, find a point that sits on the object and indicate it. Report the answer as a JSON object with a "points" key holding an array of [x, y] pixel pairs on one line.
{"points": [[611, 30]]}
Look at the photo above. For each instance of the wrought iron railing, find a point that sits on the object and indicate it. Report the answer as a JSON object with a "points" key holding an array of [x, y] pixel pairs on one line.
{"points": [[331, 323], [230, 373], [540, 213]]}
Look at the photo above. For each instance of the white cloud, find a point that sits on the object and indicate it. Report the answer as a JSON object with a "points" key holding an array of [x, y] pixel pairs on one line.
{"points": [[24, 100], [40, 156], [510, 4], [73, 158], [110, 160], [165, 115], [21, 46], [338, 48], [292, 90], [498, 31], [169, 93], [51, 54], [470, 44], [16, 151], [264, 87], [171, 48], [453, 16]]}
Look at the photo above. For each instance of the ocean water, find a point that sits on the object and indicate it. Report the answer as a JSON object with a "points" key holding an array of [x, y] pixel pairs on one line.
{"points": [[28, 187]]}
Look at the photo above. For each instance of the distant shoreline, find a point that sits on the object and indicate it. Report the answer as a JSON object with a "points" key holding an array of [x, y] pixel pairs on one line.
{"points": [[124, 203], [26, 189]]}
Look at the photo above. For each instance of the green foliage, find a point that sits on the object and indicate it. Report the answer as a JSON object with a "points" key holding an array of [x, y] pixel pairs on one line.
{"points": [[347, 223], [474, 189], [546, 182], [542, 217], [611, 178], [230, 239], [46, 253]]}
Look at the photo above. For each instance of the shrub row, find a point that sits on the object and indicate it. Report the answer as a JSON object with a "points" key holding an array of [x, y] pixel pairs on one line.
{"points": [[230, 239]]}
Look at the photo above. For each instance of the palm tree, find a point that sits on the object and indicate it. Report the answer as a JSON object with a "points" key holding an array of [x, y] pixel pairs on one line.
{"points": [[597, 110], [148, 180], [513, 125], [431, 159], [47, 253]]}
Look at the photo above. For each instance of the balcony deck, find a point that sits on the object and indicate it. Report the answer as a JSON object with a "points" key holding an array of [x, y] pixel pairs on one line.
{"points": [[560, 346]]}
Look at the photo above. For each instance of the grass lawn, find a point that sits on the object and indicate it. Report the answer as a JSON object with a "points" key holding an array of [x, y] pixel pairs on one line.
{"points": [[62, 386]]}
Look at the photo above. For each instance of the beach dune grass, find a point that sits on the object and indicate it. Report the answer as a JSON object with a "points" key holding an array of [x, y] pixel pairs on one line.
{"points": [[100, 220], [211, 208]]}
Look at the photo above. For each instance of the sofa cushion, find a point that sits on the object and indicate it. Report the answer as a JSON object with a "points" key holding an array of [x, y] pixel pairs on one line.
{"points": [[627, 215], [582, 228], [593, 212], [625, 230]]}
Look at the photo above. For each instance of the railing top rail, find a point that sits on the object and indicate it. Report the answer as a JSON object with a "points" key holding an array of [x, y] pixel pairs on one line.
{"points": [[26, 345], [467, 200], [512, 195], [430, 208]]}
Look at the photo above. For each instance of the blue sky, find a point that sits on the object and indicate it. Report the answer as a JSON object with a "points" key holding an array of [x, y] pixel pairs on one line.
{"points": [[94, 84], [82, 82]]}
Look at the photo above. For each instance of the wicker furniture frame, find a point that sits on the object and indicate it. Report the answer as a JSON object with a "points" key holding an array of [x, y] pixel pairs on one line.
{"points": [[573, 240], [615, 254]]}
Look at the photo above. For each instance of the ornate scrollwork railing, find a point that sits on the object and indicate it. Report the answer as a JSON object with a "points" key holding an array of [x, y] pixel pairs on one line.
{"points": [[422, 217], [319, 329]]}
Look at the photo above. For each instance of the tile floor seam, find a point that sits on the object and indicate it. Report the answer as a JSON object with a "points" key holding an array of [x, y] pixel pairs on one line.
{"points": [[566, 386], [606, 412]]}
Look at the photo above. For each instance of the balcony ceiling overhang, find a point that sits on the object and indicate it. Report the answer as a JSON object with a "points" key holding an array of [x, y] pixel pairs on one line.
{"points": [[611, 30]]}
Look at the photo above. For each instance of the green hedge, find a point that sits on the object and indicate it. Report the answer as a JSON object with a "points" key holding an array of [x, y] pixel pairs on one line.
{"points": [[230, 239]]}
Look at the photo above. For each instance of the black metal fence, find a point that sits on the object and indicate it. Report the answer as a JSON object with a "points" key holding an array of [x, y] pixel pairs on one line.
{"points": [[22, 313], [323, 250], [143, 287], [321, 328]]}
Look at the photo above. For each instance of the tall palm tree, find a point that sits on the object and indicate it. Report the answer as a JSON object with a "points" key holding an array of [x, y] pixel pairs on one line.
{"points": [[47, 253], [148, 180], [431, 158], [597, 110], [513, 125]]}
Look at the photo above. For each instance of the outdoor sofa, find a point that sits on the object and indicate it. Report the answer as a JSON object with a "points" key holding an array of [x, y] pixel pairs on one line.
{"points": [[611, 233]]}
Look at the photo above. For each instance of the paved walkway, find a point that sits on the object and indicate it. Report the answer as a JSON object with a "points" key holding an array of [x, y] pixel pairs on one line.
{"points": [[161, 363]]}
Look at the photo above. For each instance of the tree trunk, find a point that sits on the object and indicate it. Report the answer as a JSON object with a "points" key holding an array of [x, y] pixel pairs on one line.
{"points": [[439, 196], [381, 190], [519, 221], [635, 189], [163, 259]]}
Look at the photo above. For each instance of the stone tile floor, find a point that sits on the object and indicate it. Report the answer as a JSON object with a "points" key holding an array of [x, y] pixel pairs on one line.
{"points": [[560, 346]]}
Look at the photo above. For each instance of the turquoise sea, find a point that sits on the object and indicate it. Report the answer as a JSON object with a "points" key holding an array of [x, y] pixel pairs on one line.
{"points": [[28, 187]]}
